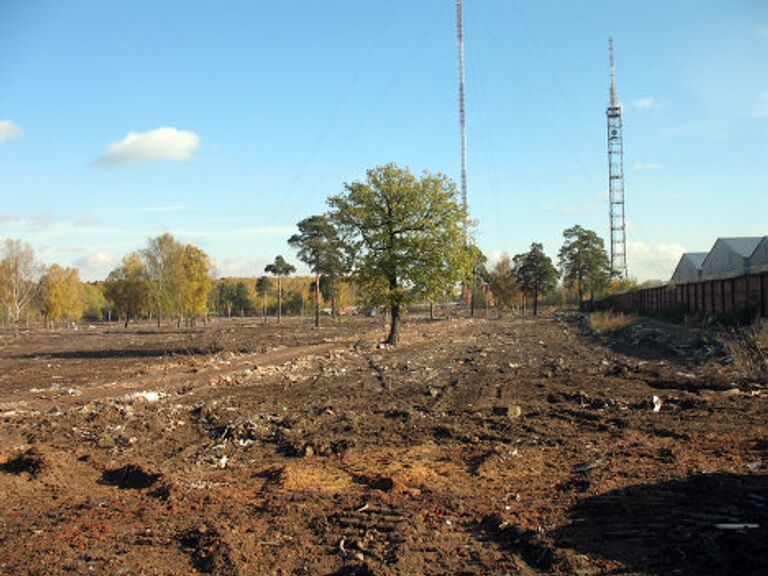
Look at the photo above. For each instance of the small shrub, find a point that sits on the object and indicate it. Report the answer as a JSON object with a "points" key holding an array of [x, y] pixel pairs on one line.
{"points": [[603, 322]]}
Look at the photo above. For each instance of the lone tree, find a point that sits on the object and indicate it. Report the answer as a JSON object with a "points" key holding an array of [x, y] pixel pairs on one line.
{"points": [[197, 282], [127, 288], [19, 275], [263, 286], [61, 294], [503, 280], [584, 262], [164, 260], [319, 248], [402, 231], [536, 274], [280, 268]]}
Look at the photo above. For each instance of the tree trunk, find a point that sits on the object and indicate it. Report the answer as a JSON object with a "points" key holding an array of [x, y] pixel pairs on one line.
{"points": [[126, 320], [279, 299], [264, 308], [472, 301], [394, 327], [317, 300], [536, 301], [581, 293], [431, 310]]}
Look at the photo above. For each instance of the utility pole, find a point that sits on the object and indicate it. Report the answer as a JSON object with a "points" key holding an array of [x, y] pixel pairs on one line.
{"points": [[462, 108], [616, 176]]}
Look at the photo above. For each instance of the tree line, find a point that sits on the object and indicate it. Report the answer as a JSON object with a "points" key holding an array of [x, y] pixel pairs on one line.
{"points": [[392, 239]]}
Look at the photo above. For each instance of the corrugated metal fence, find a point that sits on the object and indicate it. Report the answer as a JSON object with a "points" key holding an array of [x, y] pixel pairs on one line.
{"points": [[743, 296]]}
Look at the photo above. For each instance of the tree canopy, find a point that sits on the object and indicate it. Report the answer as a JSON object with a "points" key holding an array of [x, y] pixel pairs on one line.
{"points": [[406, 235], [61, 294], [503, 280], [584, 262], [536, 274], [19, 276], [319, 248], [127, 287]]}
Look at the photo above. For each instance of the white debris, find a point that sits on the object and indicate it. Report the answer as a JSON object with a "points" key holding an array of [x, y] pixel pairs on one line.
{"points": [[736, 526], [657, 403], [144, 396]]}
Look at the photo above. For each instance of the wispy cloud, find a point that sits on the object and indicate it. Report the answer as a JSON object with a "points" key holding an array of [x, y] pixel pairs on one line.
{"points": [[67, 249], [650, 102], [251, 232], [9, 130], [6, 218], [151, 209], [637, 166], [164, 143], [569, 208], [84, 221], [760, 110], [42, 220]]}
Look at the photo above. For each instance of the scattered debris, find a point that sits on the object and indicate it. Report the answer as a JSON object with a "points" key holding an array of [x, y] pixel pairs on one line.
{"points": [[148, 396]]}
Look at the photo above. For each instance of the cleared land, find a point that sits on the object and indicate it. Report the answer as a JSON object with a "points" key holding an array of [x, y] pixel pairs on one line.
{"points": [[476, 447]]}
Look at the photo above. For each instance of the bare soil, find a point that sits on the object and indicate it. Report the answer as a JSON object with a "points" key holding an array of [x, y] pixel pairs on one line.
{"points": [[477, 446]]}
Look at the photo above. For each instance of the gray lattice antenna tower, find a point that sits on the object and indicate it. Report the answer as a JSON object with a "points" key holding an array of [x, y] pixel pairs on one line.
{"points": [[462, 109], [616, 177]]}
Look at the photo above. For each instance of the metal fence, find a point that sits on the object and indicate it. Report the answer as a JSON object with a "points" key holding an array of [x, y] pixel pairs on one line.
{"points": [[744, 297]]}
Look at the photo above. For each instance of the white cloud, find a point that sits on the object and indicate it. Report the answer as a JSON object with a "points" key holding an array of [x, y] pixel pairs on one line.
{"points": [[9, 130], [96, 266], [648, 261], [647, 166], [164, 143], [650, 103], [760, 109]]}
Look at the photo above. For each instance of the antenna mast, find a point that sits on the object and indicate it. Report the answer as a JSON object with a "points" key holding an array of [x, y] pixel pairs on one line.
{"points": [[616, 176], [462, 109]]}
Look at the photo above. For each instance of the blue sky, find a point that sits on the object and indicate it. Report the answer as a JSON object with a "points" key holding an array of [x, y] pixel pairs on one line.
{"points": [[224, 123]]}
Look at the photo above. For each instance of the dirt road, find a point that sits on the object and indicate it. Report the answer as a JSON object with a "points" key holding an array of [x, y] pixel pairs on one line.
{"points": [[476, 447]]}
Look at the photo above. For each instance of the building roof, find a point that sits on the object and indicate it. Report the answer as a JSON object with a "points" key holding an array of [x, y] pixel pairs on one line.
{"points": [[743, 245], [696, 258], [728, 257]]}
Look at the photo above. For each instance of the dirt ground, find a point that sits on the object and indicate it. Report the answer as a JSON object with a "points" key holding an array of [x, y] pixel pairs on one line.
{"points": [[476, 447]]}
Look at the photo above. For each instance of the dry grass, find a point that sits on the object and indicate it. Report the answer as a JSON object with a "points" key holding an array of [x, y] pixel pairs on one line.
{"points": [[603, 322], [761, 337]]}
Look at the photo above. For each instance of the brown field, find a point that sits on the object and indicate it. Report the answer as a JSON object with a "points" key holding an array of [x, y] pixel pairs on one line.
{"points": [[476, 447]]}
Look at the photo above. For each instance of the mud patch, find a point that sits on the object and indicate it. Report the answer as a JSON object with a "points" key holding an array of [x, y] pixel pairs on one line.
{"points": [[209, 554], [130, 477], [533, 548], [30, 462]]}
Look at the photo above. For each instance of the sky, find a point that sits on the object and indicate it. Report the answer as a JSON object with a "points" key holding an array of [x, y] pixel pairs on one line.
{"points": [[225, 123]]}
